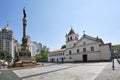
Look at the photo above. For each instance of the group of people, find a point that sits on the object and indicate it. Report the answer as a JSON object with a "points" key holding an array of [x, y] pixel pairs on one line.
{"points": [[3, 64]]}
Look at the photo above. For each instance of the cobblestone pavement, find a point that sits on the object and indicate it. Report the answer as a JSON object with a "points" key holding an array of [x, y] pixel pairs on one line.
{"points": [[109, 74], [67, 71]]}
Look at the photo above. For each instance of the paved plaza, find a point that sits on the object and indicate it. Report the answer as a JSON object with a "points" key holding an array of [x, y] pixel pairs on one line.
{"points": [[66, 71]]}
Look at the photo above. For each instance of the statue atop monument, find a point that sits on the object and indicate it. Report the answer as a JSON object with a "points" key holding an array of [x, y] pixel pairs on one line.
{"points": [[24, 13]]}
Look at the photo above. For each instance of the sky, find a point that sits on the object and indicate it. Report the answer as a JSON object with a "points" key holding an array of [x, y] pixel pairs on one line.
{"points": [[48, 21]]}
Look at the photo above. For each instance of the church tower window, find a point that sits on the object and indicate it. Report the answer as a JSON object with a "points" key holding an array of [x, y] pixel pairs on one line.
{"points": [[68, 38]]}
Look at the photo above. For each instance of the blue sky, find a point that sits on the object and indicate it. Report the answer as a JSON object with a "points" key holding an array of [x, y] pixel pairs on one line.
{"points": [[48, 21]]}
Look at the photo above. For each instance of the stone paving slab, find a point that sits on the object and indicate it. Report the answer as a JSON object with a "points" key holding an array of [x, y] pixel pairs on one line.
{"points": [[70, 71], [39, 70], [109, 74]]}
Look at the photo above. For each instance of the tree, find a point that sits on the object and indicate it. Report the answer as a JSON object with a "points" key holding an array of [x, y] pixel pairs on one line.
{"points": [[38, 57], [43, 56], [8, 57], [2, 55], [5, 55], [63, 46], [116, 48]]}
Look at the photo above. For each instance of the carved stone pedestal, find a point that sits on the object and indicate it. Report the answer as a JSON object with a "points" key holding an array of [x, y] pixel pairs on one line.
{"points": [[25, 59]]}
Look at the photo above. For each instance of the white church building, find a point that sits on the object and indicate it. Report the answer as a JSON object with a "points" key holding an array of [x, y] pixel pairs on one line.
{"points": [[85, 49]]}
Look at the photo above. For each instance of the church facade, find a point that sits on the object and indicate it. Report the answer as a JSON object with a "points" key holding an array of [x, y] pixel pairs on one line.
{"points": [[87, 48]]}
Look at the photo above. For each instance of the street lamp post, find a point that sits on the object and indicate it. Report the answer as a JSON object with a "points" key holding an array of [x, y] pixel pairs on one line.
{"points": [[113, 56], [113, 66]]}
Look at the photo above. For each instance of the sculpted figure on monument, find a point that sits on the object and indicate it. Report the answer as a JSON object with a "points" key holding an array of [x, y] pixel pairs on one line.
{"points": [[24, 17], [24, 40], [24, 13]]}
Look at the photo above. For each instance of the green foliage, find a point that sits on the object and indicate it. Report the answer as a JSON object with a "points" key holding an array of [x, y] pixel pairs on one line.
{"points": [[63, 46], [43, 56], [8, 56], [2, 55], [5, 56], [116, 48], [118, 45], [38, 57]]}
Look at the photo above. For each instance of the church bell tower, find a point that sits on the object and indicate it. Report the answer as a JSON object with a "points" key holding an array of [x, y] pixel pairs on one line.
{"points": [[71, 39]]}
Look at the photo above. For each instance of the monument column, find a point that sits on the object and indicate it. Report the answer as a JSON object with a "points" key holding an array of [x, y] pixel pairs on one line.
{"points": [[24, 27], [24, 38], [25, 54]]}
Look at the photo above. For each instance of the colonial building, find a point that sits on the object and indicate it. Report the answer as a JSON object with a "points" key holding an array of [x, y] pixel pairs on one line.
{"points": [[86, 48]]}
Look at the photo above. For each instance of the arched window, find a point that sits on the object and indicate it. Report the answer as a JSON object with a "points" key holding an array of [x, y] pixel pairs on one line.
{"points": [[70, 52], [92, 48], [78, 50], [68, 38], [84, 43], [84, 49]]}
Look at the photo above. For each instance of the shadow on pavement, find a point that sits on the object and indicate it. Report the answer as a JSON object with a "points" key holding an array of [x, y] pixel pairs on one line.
{"points": [[8, 75], [47, 72]]}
